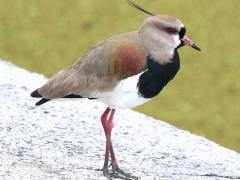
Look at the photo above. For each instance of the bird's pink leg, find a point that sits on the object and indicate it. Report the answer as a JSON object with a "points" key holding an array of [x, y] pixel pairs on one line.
{"points": [[107, 123], [107, 126], [104, 119], [109, 130]]}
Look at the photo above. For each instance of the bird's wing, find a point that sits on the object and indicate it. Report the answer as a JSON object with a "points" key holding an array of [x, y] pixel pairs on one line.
{"points": [[100, 69]]}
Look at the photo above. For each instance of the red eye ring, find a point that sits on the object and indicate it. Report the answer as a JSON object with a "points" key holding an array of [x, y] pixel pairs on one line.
{"points": [[171, 31]]}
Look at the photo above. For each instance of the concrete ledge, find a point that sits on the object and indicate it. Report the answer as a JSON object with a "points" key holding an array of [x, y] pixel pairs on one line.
{"points": [[65, 140]]}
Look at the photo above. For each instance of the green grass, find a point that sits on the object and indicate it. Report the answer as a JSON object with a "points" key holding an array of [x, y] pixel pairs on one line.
{"points": [[48, 35]]}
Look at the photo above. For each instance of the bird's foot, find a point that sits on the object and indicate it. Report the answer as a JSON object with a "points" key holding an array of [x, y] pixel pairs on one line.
{"points": [[118, 173], [127, 175]]}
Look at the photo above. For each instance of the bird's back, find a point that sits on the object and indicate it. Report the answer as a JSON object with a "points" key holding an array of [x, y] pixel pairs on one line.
{"points": [[100, 69]]}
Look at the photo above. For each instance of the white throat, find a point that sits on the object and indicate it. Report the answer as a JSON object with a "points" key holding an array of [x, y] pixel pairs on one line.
{"points": [[177, 41]]}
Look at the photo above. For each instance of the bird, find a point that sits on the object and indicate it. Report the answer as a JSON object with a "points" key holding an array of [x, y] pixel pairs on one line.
{"points": [[124, 71]]}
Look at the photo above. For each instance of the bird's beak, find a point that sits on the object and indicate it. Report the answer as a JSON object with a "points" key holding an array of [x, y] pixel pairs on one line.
{"points": [[186, 41]]}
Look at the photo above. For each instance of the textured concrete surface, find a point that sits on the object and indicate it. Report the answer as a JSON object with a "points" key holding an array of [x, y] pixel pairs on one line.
{"points": [[65, 140]]}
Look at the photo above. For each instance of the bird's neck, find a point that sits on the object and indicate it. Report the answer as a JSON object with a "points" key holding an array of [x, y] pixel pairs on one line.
{"points": [[160, 49]]}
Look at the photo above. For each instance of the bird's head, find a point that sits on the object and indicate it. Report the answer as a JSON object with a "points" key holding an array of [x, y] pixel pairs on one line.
{"points": [[168, 29], [163, 34]]}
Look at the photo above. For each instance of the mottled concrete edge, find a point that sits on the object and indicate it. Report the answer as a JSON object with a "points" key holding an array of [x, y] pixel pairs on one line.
{"points": [[151, 149]]}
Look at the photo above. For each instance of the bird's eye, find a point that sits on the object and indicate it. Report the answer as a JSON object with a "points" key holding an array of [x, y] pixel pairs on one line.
{"points": [[171, 31]]}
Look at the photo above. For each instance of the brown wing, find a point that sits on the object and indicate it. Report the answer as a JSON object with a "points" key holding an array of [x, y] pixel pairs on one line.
{"points": [[100, 69]]}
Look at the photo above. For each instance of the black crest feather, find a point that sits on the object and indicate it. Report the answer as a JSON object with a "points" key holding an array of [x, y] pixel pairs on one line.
{"points": [[140, 8]]}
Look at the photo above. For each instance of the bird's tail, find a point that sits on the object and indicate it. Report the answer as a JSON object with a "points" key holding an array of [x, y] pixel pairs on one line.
{"points": [[35, 94]]}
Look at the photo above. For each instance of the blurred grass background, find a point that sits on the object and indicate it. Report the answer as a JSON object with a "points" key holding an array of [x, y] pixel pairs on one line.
{"points": [[48, 35]]}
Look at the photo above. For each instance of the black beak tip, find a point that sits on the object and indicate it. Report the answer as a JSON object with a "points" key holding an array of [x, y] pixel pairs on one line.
{"points": [[194, 46]]}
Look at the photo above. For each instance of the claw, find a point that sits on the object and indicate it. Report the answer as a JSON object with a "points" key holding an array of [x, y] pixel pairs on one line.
{"points": [[127, 175], [124, 176], [118, 173]]}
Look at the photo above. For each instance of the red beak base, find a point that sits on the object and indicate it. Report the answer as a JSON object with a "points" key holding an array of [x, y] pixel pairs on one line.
{"points": [[188, 42]]}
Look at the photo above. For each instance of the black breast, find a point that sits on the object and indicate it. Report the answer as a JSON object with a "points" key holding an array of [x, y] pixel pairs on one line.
{"points": [[152, 81]]}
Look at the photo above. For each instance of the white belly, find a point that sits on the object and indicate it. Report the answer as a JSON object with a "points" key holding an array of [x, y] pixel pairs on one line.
{"points": [[125, 95]]}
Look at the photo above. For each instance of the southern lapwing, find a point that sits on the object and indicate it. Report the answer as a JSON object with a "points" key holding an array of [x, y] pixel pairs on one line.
{"points": [[123, 71]]}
